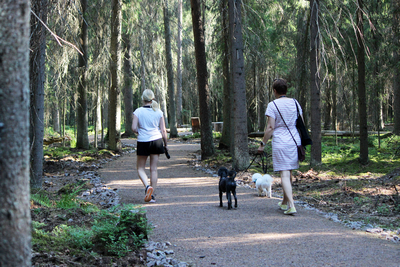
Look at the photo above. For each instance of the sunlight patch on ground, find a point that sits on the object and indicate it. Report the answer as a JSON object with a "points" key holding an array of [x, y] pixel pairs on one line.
{"points": [[253, 239], [186, 181], [133, 182]]}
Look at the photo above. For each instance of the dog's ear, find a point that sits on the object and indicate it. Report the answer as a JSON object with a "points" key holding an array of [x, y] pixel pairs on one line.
{"points": [[222, 172], [232, 173]]}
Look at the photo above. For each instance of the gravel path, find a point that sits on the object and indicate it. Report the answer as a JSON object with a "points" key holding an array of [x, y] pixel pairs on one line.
{"points": [[187, 214]]}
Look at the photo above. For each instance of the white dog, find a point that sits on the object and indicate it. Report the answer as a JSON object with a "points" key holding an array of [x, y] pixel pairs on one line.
{"points": [[263, 184]]}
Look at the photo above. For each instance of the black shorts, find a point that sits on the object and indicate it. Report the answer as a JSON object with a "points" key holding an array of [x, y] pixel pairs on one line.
{"points": [[152, 147]]}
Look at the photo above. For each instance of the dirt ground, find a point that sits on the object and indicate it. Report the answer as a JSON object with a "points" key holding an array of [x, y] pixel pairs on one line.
{"points": [[187, 214]]}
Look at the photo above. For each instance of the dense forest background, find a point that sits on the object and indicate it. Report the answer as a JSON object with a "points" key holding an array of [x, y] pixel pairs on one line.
{"points": [[276, 45], [340, 59]]}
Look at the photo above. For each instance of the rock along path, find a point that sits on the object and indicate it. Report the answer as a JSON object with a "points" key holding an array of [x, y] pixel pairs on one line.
{"points": [[187, 214]]}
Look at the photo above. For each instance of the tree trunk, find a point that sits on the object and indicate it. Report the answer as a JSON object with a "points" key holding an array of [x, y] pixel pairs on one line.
{"points": [[56, 114], [262, 102], [240, 151], [396, 62], [207, 144], [114, 108], [104, 117], [362, 103], [163, 99], [128, 94], [15, 218], [97, 123], [315, 86], [302, 53], [179, 67], [225, 140], [37, 79], [375, 99], [82, 139], [56, 105], [328, 107], [173, 131], [334, 97], [142, 66], [63, 111]]}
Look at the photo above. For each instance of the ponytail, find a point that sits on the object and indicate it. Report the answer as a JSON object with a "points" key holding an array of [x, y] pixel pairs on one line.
{"points": [[148, 96], [154, 105]]}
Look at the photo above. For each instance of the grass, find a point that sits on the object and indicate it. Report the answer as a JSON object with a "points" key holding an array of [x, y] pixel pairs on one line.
{"points": [[70, 227], [342, 159], [111, 233], [83, 228], [56, 152]]}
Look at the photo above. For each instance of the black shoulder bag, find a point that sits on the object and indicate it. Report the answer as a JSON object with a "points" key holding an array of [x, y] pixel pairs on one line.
{"points": [[301, 128], [301, 153]]}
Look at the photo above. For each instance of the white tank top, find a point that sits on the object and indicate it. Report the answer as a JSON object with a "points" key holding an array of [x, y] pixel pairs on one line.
{"points": [[149, 124]]}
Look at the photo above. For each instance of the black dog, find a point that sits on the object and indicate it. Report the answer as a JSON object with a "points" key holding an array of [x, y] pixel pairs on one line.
{"points": [[227, 184]]}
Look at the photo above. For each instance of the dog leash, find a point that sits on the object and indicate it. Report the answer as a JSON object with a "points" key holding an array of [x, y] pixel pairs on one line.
{"points": [[261, 155]]}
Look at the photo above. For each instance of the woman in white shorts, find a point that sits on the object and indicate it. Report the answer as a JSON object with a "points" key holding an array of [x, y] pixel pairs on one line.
{"points": [[148, 122]]}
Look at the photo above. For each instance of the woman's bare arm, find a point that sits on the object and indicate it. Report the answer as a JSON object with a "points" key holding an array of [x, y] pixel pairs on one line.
{"points": [[268, 132], [135, 123], [163, 132]]}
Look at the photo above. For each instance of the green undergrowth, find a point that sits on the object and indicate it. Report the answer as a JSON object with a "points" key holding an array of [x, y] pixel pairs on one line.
{"points": [[61, 221], [216, 135], [81, 155], [342, 158]]}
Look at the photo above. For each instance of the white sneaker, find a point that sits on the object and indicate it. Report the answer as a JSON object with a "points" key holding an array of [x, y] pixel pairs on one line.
{"points": [[149, 193]]}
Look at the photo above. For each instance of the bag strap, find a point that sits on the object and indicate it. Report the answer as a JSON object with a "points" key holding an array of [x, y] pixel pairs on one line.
{"points": [[297, 107], [285, 122]]}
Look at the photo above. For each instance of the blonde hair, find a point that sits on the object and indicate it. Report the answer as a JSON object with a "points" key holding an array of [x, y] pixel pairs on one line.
{"points": [[148, 96]]}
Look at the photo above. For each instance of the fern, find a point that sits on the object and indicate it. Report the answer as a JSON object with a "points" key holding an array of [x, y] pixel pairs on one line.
{"points": [[42, 200]]}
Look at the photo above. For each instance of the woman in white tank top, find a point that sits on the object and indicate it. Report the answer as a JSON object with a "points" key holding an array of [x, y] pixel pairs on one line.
{"points": [[148, 122]]}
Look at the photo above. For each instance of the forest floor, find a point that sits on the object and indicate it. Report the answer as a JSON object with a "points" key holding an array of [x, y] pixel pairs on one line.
{"points": [[187, 216]]}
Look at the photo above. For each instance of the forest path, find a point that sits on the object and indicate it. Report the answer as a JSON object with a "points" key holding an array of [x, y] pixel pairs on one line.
{"points": [[188, 215]]}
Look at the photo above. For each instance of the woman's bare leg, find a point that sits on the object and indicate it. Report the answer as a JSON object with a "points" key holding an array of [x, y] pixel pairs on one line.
{"points": [[287, 188], [285, 197], [141, 166], [153, 169]]}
